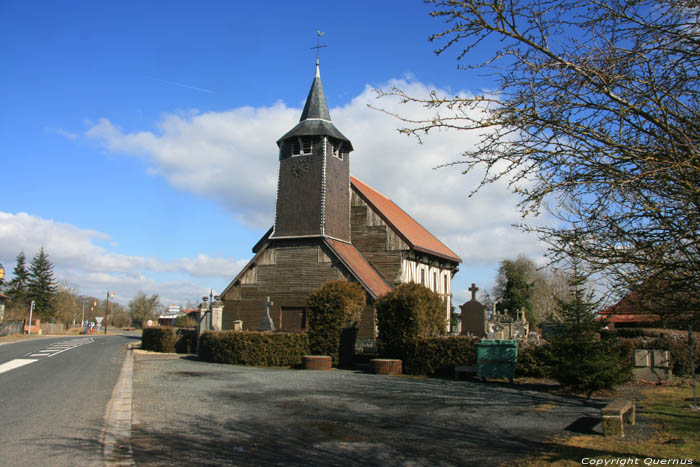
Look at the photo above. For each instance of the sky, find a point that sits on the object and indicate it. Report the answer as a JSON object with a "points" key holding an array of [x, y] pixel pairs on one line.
{"points": [[137, 139]]}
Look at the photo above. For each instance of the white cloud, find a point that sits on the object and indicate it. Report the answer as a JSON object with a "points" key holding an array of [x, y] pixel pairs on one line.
{"points": [[79, 260], [232, 157]]}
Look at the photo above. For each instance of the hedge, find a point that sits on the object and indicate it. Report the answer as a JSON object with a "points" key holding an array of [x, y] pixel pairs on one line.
{"points": [[254, 348], [437, 356], [533, 360], [158, 339], [186, 340], [168, 340], [676, 345]]}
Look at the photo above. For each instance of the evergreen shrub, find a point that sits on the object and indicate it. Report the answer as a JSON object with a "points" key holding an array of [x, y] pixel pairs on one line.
{"points": [[437, 356], [333, 313], [407, 313], [254, 348], [533, 360], [580, 359], [158, 339]]}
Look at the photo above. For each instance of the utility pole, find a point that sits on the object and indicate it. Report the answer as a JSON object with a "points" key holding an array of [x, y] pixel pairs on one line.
{"points": [[107, 309], [31, 309]]}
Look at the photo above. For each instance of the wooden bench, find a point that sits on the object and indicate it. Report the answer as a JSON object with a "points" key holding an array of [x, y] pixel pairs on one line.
{"points": [[615, 415]]}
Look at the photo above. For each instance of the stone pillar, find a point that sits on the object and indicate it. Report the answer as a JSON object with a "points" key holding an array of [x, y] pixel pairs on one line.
{"points": [[217, 312], [203, 318]]}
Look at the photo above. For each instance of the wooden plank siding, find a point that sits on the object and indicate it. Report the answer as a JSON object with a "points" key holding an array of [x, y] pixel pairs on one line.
{"points": [[299, 267], [376, 241]]}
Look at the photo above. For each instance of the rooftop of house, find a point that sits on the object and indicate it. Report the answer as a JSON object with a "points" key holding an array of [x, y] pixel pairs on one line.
{"points": [[414, 234]]}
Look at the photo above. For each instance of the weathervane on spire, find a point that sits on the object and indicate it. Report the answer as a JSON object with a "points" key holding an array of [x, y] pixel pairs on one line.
{"points": [[318, 46]]}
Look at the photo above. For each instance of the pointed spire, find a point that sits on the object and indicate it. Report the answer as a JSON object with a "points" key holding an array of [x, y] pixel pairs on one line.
{"points": [[315, 119], [316, 106]]}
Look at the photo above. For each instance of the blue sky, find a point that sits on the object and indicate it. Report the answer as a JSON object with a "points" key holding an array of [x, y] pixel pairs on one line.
{"points": [[137, 139]]}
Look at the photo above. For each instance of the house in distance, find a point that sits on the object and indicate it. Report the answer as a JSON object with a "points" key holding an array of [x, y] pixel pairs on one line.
{"points": [[331, 226]]}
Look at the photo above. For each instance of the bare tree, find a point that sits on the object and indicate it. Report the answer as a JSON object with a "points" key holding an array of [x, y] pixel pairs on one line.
{"points": [[594, 118], [142, 308]]}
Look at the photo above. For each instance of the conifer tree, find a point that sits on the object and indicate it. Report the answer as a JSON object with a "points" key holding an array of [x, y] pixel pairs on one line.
{"points": [[16, 288], [580, 360], [42, 287]]}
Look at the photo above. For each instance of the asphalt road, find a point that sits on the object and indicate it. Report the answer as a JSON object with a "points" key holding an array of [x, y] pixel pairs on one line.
{"points": [[187, 412], [53, 396]]}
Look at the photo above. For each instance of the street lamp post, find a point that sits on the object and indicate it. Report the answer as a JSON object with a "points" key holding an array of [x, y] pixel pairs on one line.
{"points": [[109, 294]]}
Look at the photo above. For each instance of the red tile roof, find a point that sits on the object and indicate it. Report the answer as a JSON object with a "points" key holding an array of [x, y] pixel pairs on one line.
{"points": [[359, 267], [628, 318], [627, 310], [404, 225]]}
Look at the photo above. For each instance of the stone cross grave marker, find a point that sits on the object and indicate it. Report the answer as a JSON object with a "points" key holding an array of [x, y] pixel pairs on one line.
{"points": [[473, 315], [266, 323]]}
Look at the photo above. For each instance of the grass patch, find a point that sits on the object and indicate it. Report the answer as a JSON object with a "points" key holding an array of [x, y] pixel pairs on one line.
{"points": [[675, 434]]}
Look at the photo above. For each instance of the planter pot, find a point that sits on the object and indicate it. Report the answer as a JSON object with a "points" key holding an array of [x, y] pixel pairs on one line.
{"points": [[386, 366], [317, 362]]}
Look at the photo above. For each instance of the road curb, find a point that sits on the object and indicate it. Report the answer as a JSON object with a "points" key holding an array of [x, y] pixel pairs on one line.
{"points": [[116, 445]]}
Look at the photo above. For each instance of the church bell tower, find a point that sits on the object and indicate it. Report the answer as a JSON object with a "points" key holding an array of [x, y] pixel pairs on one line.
{"points": [[313, 189]]}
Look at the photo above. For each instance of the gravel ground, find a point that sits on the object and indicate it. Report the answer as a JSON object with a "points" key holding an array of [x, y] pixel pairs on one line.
{"points": [[188, 412]]}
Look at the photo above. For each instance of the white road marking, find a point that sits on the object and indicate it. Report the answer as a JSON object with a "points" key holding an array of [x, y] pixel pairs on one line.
{"points": [[59, 347], [16, 363]]}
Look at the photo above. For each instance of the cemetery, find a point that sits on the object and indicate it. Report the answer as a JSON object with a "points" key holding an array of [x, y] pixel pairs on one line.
{"points": [[354, 293]]}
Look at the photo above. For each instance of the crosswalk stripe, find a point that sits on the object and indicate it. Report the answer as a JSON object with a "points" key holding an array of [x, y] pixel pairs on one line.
{"points": [[16, 363]]}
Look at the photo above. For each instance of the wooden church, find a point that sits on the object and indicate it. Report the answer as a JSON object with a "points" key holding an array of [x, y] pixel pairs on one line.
{"points": [[331, 226]]}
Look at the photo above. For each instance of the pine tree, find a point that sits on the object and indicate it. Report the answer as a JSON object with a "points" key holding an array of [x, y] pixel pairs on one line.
{"points": [[42, 287], [16, 288], [580, 360]]}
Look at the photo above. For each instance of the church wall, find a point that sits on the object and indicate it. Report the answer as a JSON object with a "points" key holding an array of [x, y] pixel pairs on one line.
{"points": [[432, 274], [337, 203], [298, 269], [376, 241], [298, 210]]}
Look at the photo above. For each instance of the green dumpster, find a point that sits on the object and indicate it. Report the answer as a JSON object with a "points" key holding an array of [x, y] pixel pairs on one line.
{"points": [[496, 358]]}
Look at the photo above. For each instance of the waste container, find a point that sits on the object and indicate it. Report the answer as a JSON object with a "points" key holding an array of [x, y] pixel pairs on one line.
{"points": [[496, 358]]}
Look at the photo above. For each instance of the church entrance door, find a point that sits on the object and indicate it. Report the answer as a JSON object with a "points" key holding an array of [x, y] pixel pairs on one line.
{"points": [[293, 319]]}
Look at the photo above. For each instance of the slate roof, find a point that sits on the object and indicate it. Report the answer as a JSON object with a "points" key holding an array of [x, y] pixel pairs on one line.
{"points": [[315, 119], [358, 265], [414, 234]]}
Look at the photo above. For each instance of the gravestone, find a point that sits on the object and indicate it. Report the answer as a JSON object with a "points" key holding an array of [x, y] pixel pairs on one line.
{"points": [[473, 316], [652, 365], [266, 323]]}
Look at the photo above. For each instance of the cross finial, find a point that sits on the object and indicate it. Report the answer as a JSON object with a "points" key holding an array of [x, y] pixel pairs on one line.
{"points": [[473, 289], [318, 47]]}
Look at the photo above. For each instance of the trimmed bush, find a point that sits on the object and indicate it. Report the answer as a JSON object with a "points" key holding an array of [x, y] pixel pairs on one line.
{"points": [[333, 313], [437, 356], [159, 339], [407, 313], [254, 348]]}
